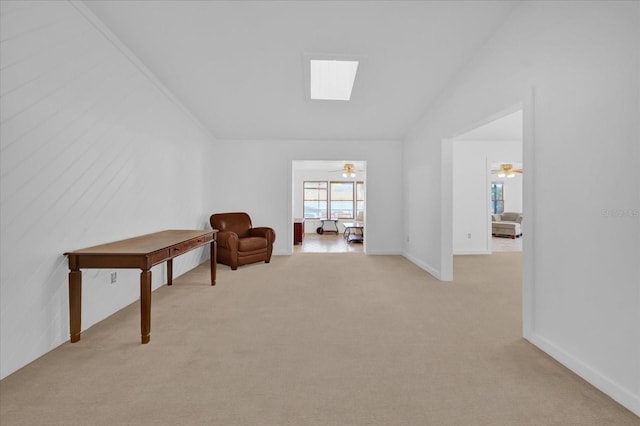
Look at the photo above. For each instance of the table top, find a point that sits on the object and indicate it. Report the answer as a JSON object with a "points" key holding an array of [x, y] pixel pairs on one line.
{"points": [[145, 243], [353, 224]]}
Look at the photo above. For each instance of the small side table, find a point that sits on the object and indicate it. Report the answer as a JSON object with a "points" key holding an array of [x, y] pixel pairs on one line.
{"points": [[354, 232], [322, 228]]}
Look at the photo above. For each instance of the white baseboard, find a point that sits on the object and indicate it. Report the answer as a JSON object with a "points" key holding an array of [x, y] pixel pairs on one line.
{"points": [[470, 252], [384, 252], [623, 396], [433, 271]]}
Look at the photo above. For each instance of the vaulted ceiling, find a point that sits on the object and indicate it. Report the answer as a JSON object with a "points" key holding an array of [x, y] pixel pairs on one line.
{"points": [[239, 66]]}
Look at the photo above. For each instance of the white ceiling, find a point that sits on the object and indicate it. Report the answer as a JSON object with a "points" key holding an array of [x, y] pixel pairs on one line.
{"points": [[239, 66]]}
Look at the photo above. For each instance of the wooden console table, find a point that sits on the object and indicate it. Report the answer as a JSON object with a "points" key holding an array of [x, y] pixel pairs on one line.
{"points": [[140, 252]]}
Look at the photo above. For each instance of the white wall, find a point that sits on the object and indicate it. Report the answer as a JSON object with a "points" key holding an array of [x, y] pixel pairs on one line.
{"points": [[582, 301], [512, 188], [256, 177], [472, 179], [92, 150]]}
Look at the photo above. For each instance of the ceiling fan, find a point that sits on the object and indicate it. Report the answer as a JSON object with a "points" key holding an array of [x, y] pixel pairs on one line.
{"points": [[506, 170], [348, 170]]}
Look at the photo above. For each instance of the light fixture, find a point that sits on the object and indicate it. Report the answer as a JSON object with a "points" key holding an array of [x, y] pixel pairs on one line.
{"points": [[506, 170], [349, 170]]}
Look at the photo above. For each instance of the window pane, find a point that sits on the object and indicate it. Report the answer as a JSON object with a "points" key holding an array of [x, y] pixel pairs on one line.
{"points": [[360, 191], [318, 184], [341, 209], [341, 200], [315, 194], [496, 191], [342, 191], [315, 209], [497, 197], [315, 199]]}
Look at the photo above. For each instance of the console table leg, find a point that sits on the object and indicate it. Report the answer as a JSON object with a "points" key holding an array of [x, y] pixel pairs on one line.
{"points": [[213, 261], [145, 306], [75, 304], [170, 272]]}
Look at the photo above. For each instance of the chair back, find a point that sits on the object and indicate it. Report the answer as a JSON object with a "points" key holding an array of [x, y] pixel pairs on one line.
{"points": [[238, 222]]}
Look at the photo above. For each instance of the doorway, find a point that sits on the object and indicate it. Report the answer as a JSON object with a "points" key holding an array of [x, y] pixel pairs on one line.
{"points": [[528, 205], [328, 201], [487, 184]]}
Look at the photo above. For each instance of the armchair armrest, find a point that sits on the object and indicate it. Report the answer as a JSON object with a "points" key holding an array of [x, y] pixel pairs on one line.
{"points": [[264, 232], [227, 239]]}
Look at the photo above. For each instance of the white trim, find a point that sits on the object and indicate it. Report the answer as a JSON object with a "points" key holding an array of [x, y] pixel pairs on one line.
{"points": [[384, 252], [428, 268], [470, 252], [623, 396], [488, 245], [528, 210], [446, 210]]}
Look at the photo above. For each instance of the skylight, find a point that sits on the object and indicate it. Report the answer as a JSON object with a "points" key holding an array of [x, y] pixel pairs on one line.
{"points": [[332, 80]]}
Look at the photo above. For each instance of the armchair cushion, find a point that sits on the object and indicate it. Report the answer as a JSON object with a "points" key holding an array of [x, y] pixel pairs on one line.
{"points": [[252, 243], [510, 217]]}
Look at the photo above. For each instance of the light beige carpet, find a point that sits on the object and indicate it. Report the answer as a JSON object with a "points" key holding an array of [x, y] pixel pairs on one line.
{"points": [[314, 339]]}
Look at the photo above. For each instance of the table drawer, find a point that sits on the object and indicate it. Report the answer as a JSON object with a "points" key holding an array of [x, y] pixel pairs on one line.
{"points": [[159, 256], [189, 245]]}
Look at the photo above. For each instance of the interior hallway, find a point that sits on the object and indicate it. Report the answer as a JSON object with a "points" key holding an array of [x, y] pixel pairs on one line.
{"points": [[314, 340]]}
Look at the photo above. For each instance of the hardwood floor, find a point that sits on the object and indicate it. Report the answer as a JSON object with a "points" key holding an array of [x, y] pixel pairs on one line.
{"points": [[326, 243], [331, 243], [506, 244]]}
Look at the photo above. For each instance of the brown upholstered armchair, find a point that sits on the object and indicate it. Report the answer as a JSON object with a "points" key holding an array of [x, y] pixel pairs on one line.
{"points": [[238, 242]]}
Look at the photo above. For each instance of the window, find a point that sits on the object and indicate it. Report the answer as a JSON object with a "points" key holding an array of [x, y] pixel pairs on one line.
{"points": [[341, 200], [360, 201], [333, 200], [315, 200], [497, 198]]}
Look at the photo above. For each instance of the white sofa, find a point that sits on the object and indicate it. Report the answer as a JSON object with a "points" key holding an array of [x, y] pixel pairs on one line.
{"points": [[506, 225]]}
